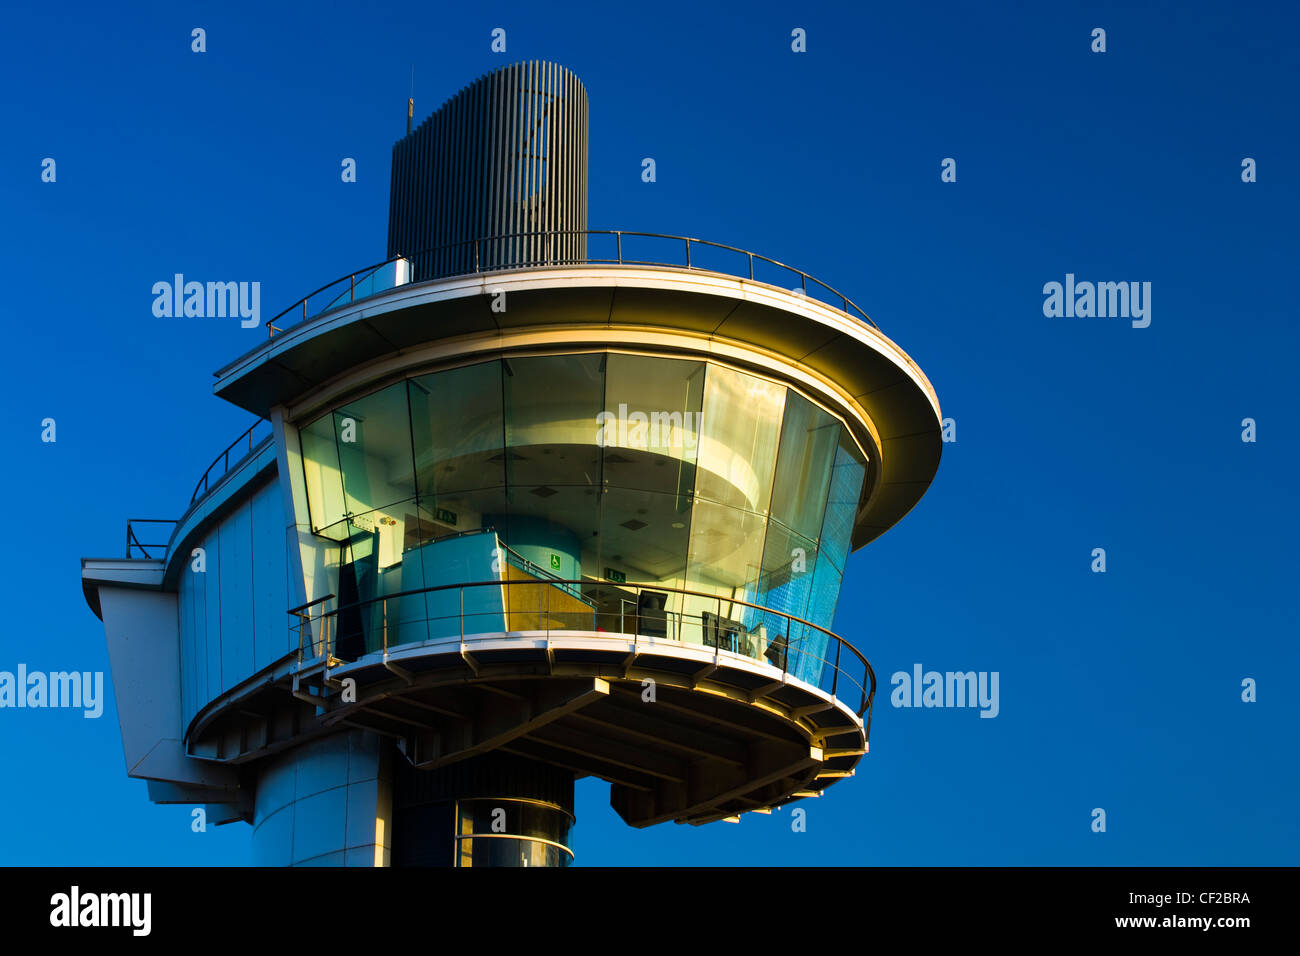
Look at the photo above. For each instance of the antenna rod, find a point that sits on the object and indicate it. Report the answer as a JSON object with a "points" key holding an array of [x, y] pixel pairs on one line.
{"points": [[410, 103]]}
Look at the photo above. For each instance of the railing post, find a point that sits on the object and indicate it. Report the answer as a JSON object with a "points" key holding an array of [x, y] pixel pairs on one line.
{"points": [[304, 309], [461, 591], [618, 236], [785, 656], [835, 681], [688, 252], [751, 267], [476, 259], [352, 287]]}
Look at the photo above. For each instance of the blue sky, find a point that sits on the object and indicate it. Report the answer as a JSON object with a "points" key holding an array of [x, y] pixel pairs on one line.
{"points": [[1119, 690]]}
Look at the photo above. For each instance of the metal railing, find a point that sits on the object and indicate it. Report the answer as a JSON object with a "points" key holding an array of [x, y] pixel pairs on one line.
{"points": [[134, 544], [135, 548], [451, 611], [487, 257], [223, 459]]}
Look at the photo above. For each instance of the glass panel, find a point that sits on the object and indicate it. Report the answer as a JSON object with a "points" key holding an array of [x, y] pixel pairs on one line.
{"points": [[320, 465], [649, 428], [809, 437], [458, 430], [551, 409], [787, 579], [358, 630], [458, 433], [484, 815], [809, 647], [508, 851], [725, 556], [741, 428], [726, 550], [842, 503], [789, 560], [548, 526], [643, 539], [514, 821], [374, 442]]}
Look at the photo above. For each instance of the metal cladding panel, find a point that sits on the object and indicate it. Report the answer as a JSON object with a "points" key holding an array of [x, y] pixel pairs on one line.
{"points": [[326, 803], [270, 578], [236, 614], [193, 606], [143, 640], [232, 614], [212, 615], [199, 583], [199, 664], [505, 156], [185, 616]]}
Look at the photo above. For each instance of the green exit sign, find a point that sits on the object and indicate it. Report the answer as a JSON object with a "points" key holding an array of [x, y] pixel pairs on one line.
{"points": [[555, 562], [618, 577], [445, 516]]}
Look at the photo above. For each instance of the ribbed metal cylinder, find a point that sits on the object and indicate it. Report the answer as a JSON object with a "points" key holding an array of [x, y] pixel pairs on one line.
{"points": [[506, 156], [497, 809]]}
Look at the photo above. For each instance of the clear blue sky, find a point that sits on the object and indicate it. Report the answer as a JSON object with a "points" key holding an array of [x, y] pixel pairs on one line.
{"points": [[1119, 690]]}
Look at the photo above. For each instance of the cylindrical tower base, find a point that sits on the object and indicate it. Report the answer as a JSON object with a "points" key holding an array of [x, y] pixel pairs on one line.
{"points": [[493, 810]]}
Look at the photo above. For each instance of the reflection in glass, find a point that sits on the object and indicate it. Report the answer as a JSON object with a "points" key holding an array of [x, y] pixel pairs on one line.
{"points": [[374, 446], [324, 480], [551, 409], [809, 437], [458, 430], [742, 425], [649, 427], [725, 557], [497, 832], [842, 504]]}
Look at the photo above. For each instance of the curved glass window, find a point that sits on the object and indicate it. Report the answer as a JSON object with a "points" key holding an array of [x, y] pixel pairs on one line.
{"points": [[625, 472], [511, 832]]}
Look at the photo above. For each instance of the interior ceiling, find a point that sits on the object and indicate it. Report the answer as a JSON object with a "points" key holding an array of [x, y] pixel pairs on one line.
{"points": [[631, 526]]}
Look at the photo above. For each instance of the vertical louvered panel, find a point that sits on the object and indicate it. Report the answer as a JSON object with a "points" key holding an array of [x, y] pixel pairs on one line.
{"points": [[506, 156]]}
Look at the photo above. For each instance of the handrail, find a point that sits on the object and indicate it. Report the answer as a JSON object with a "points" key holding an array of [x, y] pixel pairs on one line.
{"points": [[133, 542], [302, 607], [526, 260], [223, 459], [868, 695]]}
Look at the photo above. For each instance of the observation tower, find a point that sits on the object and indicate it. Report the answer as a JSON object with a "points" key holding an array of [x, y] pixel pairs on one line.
{"points": [[525, 502]]}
